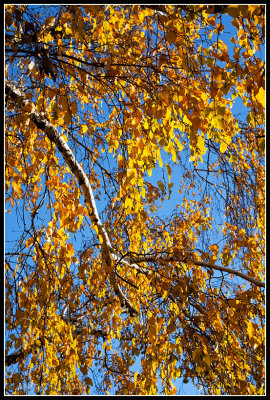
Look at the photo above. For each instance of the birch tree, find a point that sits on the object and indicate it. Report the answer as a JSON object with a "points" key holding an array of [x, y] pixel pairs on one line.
{"points": [[138, 261]]}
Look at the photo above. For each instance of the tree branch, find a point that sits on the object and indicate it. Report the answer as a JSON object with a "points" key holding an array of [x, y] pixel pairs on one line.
{"points": [[163, 259], [229, 270], [84, 183]]}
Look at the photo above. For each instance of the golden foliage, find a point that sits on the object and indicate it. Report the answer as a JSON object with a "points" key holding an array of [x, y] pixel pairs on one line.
{"points": [[130, 109]]}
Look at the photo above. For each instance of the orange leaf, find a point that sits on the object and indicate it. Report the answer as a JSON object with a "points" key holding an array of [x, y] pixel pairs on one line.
{"points": [[171, 36]]}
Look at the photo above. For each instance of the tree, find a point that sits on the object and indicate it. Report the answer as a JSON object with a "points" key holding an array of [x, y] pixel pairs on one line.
{"points": [[127, 109]]}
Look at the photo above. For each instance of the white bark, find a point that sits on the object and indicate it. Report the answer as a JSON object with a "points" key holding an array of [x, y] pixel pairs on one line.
{"points": [[51, 131]]}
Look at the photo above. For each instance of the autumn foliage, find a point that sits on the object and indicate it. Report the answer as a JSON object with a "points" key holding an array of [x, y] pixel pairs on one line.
{"points": [[134, 162]]}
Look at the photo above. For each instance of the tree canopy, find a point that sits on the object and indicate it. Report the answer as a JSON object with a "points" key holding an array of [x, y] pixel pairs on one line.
{"points": [[134, 169]]}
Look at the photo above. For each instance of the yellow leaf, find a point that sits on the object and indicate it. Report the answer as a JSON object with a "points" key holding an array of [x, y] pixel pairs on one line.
{"points": [[179, 144], [17, 188], [250, 329], [88, 381], [171, 328], [67, 118], [261, 144], [223, 147], [106, 25], [169, 170], [214, 248], [143, 192], [196, 355], [159, 160], [29, 242], [186, 120], [145, 124], [68, 31], [201, 145], [161, 186], [173, 152], [260, 96], [84, 128], [70, 249], [226, 258], [85, 98], [95, 228], [141, 16], [128, 203]]}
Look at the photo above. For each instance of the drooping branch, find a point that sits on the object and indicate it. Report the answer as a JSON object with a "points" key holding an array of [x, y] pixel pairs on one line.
{"points": [[229, 270], [55, 137], [164, 259], [14, 358], [52, 133]]}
